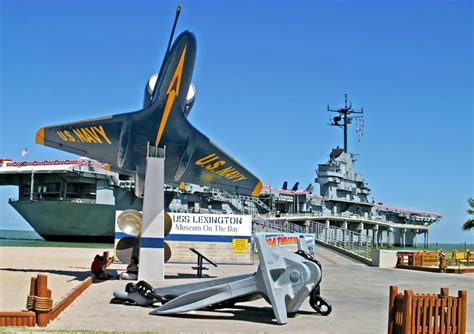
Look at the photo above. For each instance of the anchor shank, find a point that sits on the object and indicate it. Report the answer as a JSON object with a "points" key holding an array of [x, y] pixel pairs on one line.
{"points": [[209, 296]]}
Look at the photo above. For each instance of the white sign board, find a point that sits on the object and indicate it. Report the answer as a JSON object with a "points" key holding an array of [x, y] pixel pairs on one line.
{"points": [[210, 224], [289, 240]]}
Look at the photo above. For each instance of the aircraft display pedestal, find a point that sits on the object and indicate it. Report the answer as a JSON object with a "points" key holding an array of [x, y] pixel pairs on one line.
{"points": [[151, 267]]}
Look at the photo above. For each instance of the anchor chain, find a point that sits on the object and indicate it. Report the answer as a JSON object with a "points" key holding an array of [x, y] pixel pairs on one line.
{"points": [[318, 303]]}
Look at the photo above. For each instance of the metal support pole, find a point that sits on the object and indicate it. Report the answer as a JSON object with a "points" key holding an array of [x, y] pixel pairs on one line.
{"points": [[199, 271], [32, 181], [367, 246], [375, 236], [327, 230], [151, 241]]}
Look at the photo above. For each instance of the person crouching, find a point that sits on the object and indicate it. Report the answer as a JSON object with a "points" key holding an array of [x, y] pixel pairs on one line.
{"points": [[132, 270], [97, 267]]}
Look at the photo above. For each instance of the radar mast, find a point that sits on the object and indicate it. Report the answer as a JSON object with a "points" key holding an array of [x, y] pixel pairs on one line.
{"points": [[344, 116]]}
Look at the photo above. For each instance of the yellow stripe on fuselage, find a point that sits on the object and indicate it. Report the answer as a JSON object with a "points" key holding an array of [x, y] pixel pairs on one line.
{"points": [[172, 94]]}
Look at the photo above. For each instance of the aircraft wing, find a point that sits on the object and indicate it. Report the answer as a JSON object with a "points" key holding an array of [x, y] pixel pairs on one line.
{"points": [[101, 139], [222, 171], [204, 162]]}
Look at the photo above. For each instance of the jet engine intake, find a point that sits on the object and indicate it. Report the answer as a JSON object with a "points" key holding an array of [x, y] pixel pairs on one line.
{"points": [[150, 88]]}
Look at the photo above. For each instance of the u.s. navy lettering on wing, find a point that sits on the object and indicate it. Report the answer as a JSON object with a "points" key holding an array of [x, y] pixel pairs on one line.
{"points": [[91, 134], [217, 166]]}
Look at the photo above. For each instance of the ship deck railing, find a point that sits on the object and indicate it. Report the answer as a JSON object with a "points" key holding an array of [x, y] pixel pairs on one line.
{"points": [[53, 199], [359, 244], [370, 220]]}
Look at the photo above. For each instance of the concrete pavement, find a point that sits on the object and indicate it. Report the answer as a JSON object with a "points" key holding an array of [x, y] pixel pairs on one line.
{"points": [[358, 294]]}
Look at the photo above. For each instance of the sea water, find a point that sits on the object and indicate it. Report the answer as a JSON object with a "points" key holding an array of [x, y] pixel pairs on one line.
{"points": [[15, 238]]}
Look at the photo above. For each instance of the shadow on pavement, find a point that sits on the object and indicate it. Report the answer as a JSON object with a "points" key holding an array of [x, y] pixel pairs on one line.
{"points": [[79, 275], [263, 315]]}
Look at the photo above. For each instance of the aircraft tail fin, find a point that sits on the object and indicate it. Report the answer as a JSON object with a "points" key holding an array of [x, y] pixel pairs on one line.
{"points": [[309, 188]]}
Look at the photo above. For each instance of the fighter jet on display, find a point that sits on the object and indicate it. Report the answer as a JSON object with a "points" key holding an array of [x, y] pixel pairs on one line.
{"points": [[122, 140]]}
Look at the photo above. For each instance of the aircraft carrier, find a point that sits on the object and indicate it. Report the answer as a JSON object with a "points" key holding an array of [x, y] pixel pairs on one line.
{"points": [[75, 200]]}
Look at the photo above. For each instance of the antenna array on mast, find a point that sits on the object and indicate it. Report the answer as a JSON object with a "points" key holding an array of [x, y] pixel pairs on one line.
{"points": [[344, 118]]}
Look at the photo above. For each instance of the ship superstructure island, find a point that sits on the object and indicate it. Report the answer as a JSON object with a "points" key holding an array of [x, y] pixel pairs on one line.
{"points": [[343, 198], [75, 200]]}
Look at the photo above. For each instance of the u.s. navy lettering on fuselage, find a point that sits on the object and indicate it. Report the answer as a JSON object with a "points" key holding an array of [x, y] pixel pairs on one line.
{"points": [[216, 165], [90, 134]]}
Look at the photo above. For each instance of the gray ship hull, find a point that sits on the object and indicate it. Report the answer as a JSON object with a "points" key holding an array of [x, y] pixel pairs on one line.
{"points": [[69, 221]]}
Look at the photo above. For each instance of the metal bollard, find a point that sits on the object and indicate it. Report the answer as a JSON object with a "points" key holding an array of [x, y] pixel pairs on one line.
{"points": [[42, 291], [442, 263]]}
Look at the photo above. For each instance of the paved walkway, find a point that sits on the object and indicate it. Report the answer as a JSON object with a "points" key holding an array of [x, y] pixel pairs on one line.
{"points": [[358, 293]]}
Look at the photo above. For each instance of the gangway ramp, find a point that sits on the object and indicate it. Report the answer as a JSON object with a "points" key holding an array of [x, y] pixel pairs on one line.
{"points": [[330, 257]]}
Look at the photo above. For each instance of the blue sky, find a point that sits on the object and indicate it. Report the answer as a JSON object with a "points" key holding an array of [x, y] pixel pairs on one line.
{"points": [[264, 73]]}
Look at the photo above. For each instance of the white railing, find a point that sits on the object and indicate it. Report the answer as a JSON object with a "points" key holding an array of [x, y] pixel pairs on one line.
{"points": [[354, 242]]}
